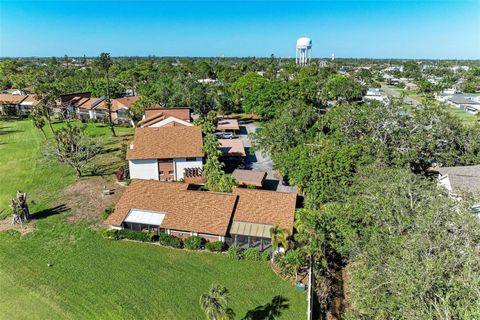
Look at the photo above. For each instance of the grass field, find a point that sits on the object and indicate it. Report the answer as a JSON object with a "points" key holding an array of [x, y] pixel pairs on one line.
{"points": [[94, 278], [23, 167]]}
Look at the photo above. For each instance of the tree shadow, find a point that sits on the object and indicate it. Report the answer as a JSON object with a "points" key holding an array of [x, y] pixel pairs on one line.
{"points": [[271, 310], [49, 212], [270, 184], [8, 130]]}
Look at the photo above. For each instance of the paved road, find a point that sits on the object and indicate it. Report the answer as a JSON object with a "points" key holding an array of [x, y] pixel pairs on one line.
{"points": [[262, 162], [389, 91]]}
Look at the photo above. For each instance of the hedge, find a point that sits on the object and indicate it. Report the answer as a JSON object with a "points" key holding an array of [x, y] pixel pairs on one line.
{"points": [[235, 252], [193, 242], [216, 246], [129, 234], [170, 241]]}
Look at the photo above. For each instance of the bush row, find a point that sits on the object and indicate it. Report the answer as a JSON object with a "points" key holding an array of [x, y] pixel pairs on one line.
{"points": [[129, 234], [251, 254], [191, 243]]}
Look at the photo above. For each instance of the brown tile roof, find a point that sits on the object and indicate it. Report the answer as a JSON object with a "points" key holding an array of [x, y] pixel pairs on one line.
{"points": [[7, 98], [32, 99], [166, 143], [249, 177], [228, 124], [232, 147], [185, 210], [151, 114], [266, 207], [123, 103]]}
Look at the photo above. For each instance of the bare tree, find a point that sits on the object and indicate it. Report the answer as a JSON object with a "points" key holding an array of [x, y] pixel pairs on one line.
{"points": [[73, 147]]}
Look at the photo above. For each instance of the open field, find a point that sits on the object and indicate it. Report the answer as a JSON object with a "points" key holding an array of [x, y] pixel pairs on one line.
{"points": [[23, 167], [94, 278]]}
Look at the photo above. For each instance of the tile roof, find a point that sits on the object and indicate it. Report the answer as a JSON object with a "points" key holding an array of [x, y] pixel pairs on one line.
{"points": [[266, 207], [152, 114], [228, 124], [249, 177], [123, 103], [232, 147], [166, 143], [7, 98], [185, 210]]}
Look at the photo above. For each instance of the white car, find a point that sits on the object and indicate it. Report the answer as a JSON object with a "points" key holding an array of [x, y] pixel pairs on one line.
{"points": [[225, 135]]}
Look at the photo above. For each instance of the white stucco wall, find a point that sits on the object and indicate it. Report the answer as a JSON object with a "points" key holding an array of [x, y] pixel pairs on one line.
{"points": [[143, 169], [181, 163], [170, 120]]}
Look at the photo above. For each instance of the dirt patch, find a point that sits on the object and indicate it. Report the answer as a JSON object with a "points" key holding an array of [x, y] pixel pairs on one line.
{"points": [[6, 224], [86, 200]]}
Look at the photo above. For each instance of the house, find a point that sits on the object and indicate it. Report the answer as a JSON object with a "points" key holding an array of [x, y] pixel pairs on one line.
{"points": [[459, 179], [466, 101], [249, 177], [159, 116], [169, 153], [243, 217], [15, 104], [90, 108], [120, 108], [375, 94], [411, 86]]}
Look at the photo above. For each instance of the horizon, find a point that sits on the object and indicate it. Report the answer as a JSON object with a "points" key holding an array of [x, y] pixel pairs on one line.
{"points": [[383, 30]]}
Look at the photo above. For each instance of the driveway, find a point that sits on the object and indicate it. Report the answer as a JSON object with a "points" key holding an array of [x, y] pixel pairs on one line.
{"points": [[262, 162], [393, 93]]}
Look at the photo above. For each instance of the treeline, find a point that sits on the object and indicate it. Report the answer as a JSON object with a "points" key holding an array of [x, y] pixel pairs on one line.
{"points": [[372, 211]]}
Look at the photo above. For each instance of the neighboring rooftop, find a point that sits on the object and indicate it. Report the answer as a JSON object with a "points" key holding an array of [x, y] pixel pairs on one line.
{"points": [[227, 124], [196, 211], [232, 147], [462, 178], [166, 143], [249, 177], [155, 114], [124, 103]]}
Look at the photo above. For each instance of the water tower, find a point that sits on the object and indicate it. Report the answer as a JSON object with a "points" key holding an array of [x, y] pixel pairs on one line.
{"points": [[304, 48]]}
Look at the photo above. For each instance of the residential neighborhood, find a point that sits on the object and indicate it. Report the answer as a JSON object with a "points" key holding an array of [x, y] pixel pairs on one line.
{"points": [[265, 160]]}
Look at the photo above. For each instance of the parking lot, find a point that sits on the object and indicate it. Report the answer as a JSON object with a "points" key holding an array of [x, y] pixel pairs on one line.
{"points": [[261, 162]]}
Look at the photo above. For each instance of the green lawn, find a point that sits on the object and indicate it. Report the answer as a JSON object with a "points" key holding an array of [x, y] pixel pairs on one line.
{"points": [[466, 117], [22, 166], [94, 278]]}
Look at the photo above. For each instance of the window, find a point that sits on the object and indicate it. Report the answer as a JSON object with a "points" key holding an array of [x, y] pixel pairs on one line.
{"points": [[170, 172], [192, 159], [161, 172]]}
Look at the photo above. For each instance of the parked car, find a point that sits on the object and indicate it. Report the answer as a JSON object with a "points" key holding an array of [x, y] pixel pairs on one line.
{"points": [[225, 135]]}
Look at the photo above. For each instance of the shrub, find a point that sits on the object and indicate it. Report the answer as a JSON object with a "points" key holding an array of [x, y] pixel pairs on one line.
{"points": [[170, 241], [193, 242], [216, 246], [252, 254], [107, 212], [135, 235], [265, 255], [235, 252], [111, 234]]}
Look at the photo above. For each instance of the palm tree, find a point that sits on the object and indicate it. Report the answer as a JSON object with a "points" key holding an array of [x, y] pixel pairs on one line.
{"points": [[279, 236], [214, 303], [105, 63]]}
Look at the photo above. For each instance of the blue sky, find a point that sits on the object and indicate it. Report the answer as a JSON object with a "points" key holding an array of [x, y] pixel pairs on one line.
{"points": [[372, 29]]}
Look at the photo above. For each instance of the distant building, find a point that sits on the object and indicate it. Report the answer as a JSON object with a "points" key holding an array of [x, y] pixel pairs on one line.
{"points": [[375, 94]]}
